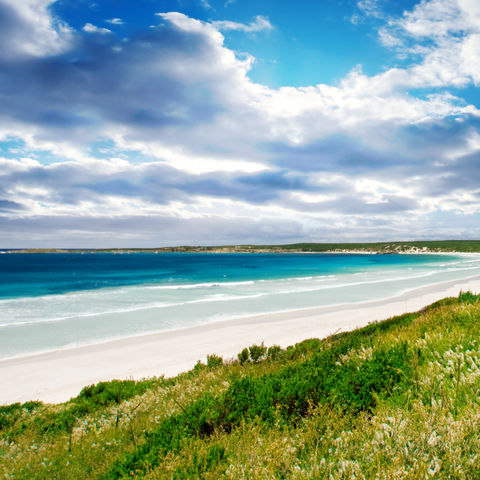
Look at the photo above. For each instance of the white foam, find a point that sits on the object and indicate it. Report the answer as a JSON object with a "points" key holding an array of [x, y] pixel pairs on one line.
{"points": [[199, 285]]}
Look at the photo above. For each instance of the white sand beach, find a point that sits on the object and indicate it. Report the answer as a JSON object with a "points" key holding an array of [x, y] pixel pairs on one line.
{"points": [[57, 376]]}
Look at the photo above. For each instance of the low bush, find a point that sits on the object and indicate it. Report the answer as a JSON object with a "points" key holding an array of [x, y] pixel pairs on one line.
{"points": [[214, 361], [11, 416], [286, 396], [243, 356], [274, 352], [89, 400], [107, 393], [257, 352]]}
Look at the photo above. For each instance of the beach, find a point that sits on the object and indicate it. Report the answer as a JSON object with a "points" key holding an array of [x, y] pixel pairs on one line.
{"points": [[57, 376]]}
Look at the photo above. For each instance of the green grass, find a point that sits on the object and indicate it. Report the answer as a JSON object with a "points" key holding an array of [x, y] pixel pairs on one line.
{"points": [[396, 399]]}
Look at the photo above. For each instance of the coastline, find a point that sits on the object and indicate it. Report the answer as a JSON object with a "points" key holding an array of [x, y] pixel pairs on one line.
{"points": [[56, 376], [369, 248]]}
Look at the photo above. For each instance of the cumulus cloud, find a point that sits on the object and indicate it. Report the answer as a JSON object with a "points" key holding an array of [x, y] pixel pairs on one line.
{"points": [[168, 126], [180, 80], [27, 28]]}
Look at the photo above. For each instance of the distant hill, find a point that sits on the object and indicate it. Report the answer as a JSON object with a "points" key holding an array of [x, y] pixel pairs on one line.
{"points": [[378, 247]]}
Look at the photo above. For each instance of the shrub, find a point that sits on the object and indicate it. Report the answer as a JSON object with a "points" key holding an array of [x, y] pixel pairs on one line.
{"points": [[257, 352], [214, 361], [243, 356], [114, 392], [10, 414], [89, 400], [285, 396], [274, 352], [199, 366]]}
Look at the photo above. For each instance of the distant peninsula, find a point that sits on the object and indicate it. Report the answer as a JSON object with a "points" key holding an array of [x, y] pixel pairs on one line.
{"points": [[410, 247]]}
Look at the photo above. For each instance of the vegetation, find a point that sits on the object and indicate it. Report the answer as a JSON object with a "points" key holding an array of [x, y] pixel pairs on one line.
{"points": [[390, 247], [396, 399], [378, 247]]}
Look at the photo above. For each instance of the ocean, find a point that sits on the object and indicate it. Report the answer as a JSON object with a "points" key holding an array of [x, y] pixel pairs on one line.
{"points": [[56, 301]]}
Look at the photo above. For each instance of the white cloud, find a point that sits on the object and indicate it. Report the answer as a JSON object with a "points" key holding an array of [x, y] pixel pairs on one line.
{"points": [[190, 135], [370, 7], [260, 23], [205, 4], [27, 27], [367, 8], [115, 21], [88, 27], [298, 115], [445, 34]]}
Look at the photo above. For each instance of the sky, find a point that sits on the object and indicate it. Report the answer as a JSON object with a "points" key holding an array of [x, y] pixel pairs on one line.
{"points": [[212, 122]]}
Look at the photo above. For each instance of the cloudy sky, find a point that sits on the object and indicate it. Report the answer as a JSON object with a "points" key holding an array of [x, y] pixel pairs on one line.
{"points": [[166, 122]]}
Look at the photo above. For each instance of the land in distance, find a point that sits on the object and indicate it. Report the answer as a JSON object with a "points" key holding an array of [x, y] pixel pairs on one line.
{"points": [[429, 246]]}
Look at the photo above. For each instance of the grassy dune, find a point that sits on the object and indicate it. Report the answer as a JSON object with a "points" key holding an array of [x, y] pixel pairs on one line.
{"points": [[399, 399]]}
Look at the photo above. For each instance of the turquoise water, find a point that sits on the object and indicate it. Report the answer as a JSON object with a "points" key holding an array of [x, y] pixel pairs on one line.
{"points": [[52, 301]]}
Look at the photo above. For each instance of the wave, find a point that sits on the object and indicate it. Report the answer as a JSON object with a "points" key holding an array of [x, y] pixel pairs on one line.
{"points": [[106, 291], [267, 290], [150, 306], [198, 285], [235, 284]]}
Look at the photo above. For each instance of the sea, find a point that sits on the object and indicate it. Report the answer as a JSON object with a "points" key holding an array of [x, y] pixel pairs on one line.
{"points": [[61, 300]]}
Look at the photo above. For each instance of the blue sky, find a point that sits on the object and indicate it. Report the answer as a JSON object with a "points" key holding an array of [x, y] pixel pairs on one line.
{"points": [[162, 122], [310, 41]]}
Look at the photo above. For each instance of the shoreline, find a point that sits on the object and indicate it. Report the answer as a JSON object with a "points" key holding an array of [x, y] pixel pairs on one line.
{"points": [[237, 318], [58, 375], [448, 247], [253, 251]]}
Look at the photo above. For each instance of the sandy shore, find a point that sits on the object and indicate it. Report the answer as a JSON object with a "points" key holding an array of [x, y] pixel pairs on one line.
{"points": [[57, 376]]}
